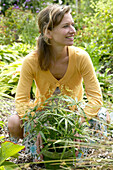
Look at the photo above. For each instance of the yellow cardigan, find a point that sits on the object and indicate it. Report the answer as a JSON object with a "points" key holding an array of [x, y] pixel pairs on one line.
{"points": [[80, 68]]}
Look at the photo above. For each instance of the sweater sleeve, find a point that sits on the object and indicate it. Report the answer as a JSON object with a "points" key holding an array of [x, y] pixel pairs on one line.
{"points": [[22, 98], [92, 87]]}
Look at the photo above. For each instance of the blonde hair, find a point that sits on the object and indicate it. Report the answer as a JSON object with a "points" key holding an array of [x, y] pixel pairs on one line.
{"points": [[48, 18]]}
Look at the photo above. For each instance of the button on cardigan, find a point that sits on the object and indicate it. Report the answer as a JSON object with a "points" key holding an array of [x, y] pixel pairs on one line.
{"points": [[80, 69]]}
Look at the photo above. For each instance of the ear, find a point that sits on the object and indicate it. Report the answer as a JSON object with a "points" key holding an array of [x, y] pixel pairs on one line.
{"points": [[48, 34]]}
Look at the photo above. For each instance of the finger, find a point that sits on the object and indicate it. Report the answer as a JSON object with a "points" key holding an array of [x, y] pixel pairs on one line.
{"points": [[77, 140], [41, 157], [41, 146], [76, 153], [41, 143], [108, 117], [38, 144]]}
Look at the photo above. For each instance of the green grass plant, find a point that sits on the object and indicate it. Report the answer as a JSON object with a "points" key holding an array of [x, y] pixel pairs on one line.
{"points": [[60, 129]]}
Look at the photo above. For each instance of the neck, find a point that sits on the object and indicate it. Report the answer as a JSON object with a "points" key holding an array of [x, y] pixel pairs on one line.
{"points": [[59, 53]]}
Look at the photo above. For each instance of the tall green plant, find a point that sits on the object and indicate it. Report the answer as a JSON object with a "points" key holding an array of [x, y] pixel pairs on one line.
{"points": [[60, 129]]}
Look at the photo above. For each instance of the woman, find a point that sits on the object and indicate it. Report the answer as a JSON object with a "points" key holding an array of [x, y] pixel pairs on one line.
{"points": [[55, 65]]}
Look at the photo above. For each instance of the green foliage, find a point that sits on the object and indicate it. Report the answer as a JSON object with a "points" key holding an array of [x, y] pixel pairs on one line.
{"points": [[9, 77], [5, 4], [32, 5], [10, 74], [61, 129], [1, 124], [29, 32], [10, 53], [96, 32], [57, 124], [106, 83], [95, 35], [7, 150], [12, 56], [15, 23]]}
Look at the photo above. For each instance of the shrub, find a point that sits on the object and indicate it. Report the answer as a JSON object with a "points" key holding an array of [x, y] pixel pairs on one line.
{"points": [[95, 35], [12, 56], [58, 124], [95, 32], [15, 23], [33, 5], [106, 83], [10, 53]]}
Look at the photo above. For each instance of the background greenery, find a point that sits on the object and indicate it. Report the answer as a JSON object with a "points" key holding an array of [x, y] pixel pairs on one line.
{"points": [[94, 33]]}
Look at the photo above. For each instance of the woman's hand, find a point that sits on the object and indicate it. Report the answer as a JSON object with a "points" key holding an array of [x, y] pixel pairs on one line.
{"points": [[107, 117], [78, 147], [39, 145], [82, 119]]}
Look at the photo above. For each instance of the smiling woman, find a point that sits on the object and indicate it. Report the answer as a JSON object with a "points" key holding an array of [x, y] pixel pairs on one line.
{"points": [[57, 67]]}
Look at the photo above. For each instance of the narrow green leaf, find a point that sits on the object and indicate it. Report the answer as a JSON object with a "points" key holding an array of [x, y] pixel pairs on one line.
{"points": [[43, 136], [10, 166]]}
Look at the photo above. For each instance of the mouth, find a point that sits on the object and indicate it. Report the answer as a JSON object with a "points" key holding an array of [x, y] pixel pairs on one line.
{"points": [[70, 38]]}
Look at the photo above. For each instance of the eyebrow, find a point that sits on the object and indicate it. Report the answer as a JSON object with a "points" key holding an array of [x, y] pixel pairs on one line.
{"points": [[67, 23]]}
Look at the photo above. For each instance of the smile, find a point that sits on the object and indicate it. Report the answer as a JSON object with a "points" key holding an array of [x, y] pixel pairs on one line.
{"points": [[71, 38]]}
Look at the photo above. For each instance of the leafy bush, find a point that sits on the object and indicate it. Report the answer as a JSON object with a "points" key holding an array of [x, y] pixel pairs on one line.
{"points": [[5, 4], [55, 120], [12, 56], [95, 33], [106, 83], [33, 5], [15, 23], [9, 77], [60, 129], [57, 125], [10, 53]]}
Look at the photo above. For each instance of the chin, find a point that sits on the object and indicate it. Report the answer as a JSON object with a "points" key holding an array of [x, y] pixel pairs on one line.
{"points": [[69, 44]]}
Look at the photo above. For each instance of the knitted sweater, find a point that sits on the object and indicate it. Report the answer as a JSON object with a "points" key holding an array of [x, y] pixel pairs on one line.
{"points": [[80, 68]]}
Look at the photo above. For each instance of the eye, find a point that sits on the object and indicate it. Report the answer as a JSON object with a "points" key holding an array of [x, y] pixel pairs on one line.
{"points": [[65, 26], [73, 24]]}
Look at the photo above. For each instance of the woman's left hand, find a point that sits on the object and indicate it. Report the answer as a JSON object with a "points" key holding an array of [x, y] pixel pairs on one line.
{"points": [[107, 117], [39, 145]]}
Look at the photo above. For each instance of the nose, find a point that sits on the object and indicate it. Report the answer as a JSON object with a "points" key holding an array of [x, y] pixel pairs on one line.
{"points": [[72, 29]]}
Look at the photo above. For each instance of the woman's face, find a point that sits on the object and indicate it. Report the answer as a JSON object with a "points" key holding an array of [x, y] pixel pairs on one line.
{"points": [[63, 34]]}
